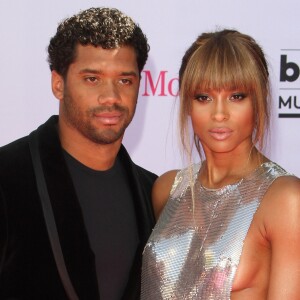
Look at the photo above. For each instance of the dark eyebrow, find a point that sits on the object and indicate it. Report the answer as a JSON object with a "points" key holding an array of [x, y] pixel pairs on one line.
{"points": [[132, 73], [92, 71], [99, 72]]}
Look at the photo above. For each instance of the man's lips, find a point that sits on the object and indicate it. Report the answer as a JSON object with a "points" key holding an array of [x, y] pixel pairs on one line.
{"points": [[108, 118], [220, 134]]}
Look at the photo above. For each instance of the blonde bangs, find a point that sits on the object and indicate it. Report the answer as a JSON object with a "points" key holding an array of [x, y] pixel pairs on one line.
{"points": [[219, 67]]}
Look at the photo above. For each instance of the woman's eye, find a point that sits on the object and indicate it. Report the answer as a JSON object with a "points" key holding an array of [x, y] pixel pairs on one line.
{"points": [[202, 98], [238, 97]]}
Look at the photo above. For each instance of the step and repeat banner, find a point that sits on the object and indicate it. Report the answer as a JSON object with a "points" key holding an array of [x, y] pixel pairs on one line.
{"points": [[171, 26]]}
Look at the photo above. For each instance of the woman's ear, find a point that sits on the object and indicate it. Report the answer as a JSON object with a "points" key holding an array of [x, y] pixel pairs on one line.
{"points": [[57, 84]]}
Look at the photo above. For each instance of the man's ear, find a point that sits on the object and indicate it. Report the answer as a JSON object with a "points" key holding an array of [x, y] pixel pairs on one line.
{"points": [[57, 83]]}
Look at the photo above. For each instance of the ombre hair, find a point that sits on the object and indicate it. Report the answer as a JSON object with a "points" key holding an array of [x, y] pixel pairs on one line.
{"points": [[225, 59]]}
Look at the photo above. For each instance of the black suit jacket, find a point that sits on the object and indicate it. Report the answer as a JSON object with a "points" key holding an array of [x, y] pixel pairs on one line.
{"points": [[27, 266]]}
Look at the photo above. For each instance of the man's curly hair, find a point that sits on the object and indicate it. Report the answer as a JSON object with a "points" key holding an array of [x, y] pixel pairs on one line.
{"points": [[108, 28]]}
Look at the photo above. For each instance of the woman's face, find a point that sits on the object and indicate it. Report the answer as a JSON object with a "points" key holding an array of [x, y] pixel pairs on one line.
{"points": [[223, 120]]}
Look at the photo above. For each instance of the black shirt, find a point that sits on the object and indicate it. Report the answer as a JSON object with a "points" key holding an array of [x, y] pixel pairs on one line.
{"points": [[109, 215]]}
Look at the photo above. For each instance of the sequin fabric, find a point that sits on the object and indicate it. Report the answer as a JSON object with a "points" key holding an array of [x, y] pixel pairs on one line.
{"points": [[193, 252]]}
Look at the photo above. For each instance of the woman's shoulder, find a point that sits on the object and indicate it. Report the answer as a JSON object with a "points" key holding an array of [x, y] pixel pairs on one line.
{"points": [[167, 183], [161, 190], [282, 203], [285, 185], [285, 188]]}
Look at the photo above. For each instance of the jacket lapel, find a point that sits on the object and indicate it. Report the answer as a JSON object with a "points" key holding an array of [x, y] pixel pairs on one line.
{"points": [[79, 258], [141, 189]]}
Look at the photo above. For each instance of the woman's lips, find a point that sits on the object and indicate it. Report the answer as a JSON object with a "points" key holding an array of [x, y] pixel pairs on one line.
{"points": [[220, 134]]}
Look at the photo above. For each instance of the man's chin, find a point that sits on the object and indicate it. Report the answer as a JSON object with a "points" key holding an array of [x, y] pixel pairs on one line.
{"points": [[106, 137]]}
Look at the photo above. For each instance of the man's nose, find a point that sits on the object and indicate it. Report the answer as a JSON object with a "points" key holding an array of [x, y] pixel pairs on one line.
{"points": [[108, 93]]}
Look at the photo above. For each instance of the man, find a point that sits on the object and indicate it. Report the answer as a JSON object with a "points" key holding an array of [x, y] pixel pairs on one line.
{"points": [[100, 199]]}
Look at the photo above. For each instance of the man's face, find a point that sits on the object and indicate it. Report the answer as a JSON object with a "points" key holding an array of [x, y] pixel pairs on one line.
{"points": [[99, 93]]}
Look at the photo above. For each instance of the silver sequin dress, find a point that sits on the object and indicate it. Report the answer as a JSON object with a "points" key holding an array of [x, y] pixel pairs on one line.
{"points": [[194, 252]]}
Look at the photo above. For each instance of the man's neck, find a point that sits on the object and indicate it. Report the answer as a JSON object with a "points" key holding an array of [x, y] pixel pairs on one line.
{"points": [[99, 157]]}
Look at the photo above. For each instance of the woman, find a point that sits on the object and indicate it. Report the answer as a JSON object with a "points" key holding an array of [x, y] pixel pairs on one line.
{"points": [[228, 228]]}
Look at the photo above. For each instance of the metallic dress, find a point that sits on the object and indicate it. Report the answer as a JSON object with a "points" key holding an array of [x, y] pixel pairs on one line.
{"points": [[195, 248]]}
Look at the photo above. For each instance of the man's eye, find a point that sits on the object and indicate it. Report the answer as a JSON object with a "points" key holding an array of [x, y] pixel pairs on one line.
{"points": [[91, 79], [125, 81]]}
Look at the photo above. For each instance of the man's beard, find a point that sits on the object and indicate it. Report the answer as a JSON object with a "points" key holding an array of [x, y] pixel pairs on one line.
{"points": [[83, 121]]}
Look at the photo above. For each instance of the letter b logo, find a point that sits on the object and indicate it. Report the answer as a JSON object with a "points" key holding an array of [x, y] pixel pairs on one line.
{"points": [[284, 66]]}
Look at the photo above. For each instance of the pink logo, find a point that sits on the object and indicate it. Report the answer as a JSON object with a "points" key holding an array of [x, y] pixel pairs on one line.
{"points": [[161, 85]]}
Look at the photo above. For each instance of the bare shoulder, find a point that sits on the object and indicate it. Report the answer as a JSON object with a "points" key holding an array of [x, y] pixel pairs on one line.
{"points": [[282, 204], [161, 191], [285, 188]]}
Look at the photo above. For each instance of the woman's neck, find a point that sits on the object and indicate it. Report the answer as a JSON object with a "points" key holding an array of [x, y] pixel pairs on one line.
{"points": [[221, 169]]}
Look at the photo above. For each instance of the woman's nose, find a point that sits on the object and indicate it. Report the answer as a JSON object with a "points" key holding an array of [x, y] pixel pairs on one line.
{"points": [[220, 112]]}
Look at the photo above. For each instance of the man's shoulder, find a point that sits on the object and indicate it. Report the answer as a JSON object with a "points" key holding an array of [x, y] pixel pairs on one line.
{"points": [[14, 162], [17, 152], [14, 148], [22, 142], [146, 172]]}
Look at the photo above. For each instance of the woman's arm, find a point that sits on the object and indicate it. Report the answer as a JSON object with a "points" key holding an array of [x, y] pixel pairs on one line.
{"points": [[283, 232]]}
